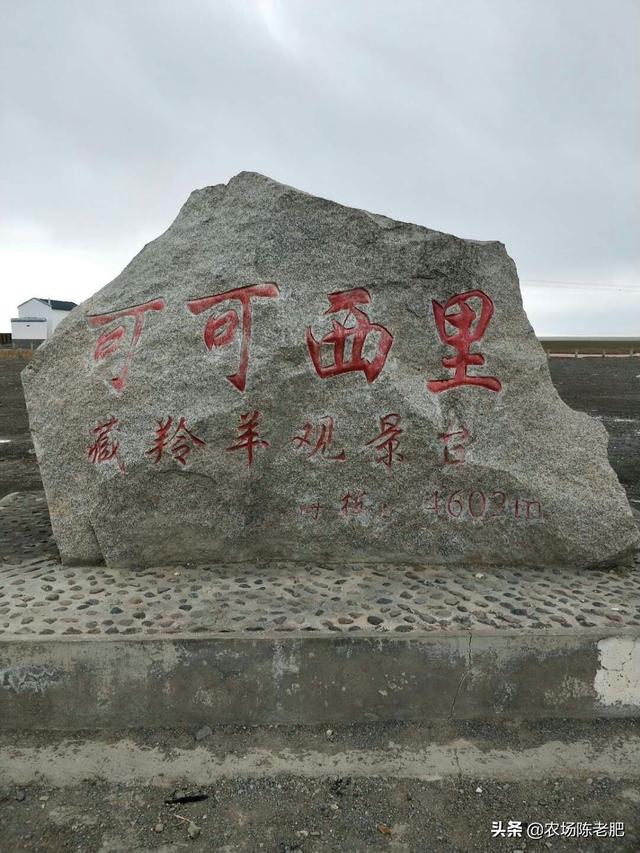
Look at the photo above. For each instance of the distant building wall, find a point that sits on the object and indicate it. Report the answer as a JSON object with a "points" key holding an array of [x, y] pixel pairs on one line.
{"points": [[34, 308], [26, 344], [36, 321], [28, 332], [54, 320], [38, 308]]}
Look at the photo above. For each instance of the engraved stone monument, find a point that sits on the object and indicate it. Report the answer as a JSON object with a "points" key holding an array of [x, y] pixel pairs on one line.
{"points": [[281, 377]]}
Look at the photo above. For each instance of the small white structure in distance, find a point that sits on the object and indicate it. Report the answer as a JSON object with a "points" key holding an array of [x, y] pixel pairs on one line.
{"points": [[36, 321]]}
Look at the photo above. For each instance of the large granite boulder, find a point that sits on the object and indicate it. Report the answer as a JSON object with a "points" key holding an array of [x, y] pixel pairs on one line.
{"points": [[279, 376]]}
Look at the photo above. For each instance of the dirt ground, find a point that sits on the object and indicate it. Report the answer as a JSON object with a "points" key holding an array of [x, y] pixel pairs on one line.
{"points": [[18, 467], [327, 813], [343, 815], [608, 388]]}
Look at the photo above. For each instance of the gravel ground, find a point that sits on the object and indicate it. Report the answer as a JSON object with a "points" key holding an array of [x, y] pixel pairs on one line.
{"points": [[18, 467], [346, 814], [608, 388], [341, 815]]}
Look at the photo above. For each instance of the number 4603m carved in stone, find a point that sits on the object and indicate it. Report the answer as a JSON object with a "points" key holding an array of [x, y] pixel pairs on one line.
{"points": [[477, 504]]}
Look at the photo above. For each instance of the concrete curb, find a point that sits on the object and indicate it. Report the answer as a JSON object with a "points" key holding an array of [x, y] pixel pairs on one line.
{"points": [[77, 684]]}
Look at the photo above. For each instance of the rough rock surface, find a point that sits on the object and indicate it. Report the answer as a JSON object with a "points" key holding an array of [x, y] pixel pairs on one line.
{"points": [[279, 376]]}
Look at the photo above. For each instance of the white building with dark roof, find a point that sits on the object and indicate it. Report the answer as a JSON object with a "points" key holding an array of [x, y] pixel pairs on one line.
{"points": [[37, 320]]}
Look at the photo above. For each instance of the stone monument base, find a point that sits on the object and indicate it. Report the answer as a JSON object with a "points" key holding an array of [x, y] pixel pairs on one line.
{"points": [[99, 648]]}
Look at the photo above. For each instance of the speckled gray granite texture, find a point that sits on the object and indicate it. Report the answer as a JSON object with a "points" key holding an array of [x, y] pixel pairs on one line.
{"points": [[278, 376]]}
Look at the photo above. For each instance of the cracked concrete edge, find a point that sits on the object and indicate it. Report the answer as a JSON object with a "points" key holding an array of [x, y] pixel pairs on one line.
{"points": [[465, 676], [309, 680]]}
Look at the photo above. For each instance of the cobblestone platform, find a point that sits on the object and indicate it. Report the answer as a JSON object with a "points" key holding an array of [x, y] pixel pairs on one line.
{"points": [[38, 596], [295, 643]]}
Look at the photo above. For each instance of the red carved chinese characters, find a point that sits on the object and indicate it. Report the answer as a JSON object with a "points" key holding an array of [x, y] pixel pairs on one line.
{"points": [[179, 443], [324, 442], [109, 341], [248, 437], [470, 325], [387, 441], [105, 446], [385, 511], [356, 335], [221, 328], [455, 445], [352, 504], [311, 510]]}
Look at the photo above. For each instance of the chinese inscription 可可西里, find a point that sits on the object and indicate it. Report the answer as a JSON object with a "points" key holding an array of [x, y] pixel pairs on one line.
{"points": [[354, 344]]}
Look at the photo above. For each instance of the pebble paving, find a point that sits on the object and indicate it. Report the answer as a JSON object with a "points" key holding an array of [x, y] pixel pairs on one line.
{"points": [[41, 598]]}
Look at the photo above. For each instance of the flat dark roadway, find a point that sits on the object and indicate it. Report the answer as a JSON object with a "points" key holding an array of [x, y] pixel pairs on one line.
{"points": [[13, 414], [18, 467], [608, 388]]}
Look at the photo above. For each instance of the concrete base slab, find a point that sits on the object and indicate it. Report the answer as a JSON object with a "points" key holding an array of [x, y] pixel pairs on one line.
{"points": [[303, 644]]}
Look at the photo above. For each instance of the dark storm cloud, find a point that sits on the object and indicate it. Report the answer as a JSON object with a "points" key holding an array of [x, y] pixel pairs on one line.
{"points": [[493, 120]]}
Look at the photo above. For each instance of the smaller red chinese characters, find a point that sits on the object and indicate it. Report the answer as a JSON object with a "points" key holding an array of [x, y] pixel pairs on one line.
{"points": [[311, 510], [105, 446], [455, 445], [109, 341], [352, 504], [324, 442], [469, 326], [385, 511], [220, 329], [178, 443], [355, 335], [387, 440], [248, 436]]}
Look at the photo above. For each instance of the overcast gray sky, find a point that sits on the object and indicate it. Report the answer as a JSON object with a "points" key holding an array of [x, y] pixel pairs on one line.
{"points": [[515, 120]]}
